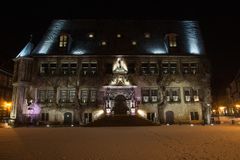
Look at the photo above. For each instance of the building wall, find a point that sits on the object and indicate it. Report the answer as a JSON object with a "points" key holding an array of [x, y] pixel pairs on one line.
{"points": [[29, 81]]}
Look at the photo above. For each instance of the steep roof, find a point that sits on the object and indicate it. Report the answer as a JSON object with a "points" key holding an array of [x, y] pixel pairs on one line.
{"points": [[188, 34], [26, 51]]}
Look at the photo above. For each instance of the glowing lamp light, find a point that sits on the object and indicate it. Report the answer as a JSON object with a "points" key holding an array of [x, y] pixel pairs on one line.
{"points": [[133, 110], [237, 106], [99, 113], [141, 112], [108, 110], [7, 105], [222, 108]]}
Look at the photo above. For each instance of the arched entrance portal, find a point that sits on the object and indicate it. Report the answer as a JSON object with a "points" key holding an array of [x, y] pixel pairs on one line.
{"points": [[120, 105], [169, 117]]}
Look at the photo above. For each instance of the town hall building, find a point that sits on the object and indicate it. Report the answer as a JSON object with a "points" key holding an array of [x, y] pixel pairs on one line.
{"points": [[84, 70]]}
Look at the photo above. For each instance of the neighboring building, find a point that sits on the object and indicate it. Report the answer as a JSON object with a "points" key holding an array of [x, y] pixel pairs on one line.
{"points": [[5, 93], [233, 97], [84, 69]]}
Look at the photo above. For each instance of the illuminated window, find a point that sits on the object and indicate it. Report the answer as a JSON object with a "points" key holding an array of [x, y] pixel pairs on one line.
{"points": [[63, 40], [119, 35], [145, 95], [147, 35], [172, 39], [134, 43], [187, 94], [172, 94], [149, 95], [84, 96], [195, 95]]}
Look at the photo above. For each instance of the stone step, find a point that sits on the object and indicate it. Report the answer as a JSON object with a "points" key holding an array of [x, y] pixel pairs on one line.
{"points": [[121, 120]]}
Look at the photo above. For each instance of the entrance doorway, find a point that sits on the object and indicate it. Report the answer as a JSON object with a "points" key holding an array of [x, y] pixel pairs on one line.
{"points": [[169, 117], [67, 118], [120, 106]]}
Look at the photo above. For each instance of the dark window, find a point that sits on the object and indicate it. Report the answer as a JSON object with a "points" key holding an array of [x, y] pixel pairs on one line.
{"points": [[194, 116], [131, 68], [108, 68]]}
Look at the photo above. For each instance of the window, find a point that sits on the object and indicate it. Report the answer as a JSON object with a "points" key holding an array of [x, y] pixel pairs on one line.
{"points": [[63, 40], [41, 96], [191, 95], [72, 95], [172, 39], [187, 94], [50, 96], [189, 68], [64, 68], [131, 68], [89, 68], [196, 95], [44, 68], [149, 68], [84, 96], [154, 95], [45, 117], [108, 68], [63, 96], [172, 94], [73, 68], [194, 116], [93, 95], [46, 96], [153, 68], [68, 68], [53, 68], [169, 67], [149, 95], [145, 95], [67, 95], [144, 68]]}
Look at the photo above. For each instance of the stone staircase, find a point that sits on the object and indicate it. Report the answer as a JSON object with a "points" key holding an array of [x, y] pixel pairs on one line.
{"points": [[121, 120]]}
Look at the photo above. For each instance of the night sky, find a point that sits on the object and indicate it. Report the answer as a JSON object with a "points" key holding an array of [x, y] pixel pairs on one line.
{"points": [[219, 23]]}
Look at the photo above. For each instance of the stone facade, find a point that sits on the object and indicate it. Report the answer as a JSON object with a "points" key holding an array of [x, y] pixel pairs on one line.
{"points": [[78, 89]]}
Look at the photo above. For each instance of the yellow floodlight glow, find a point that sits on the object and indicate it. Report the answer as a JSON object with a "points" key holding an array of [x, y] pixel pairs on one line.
{"points": [[237, 106], [141, 113], [6, 105], [99, 113], [222, 108]]}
